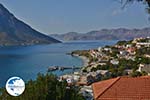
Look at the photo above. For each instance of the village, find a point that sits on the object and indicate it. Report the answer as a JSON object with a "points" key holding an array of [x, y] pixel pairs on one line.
{"points": [[125, 58]]}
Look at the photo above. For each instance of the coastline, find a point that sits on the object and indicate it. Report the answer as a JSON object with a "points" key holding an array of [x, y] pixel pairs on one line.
{"points": [[84, 59]]}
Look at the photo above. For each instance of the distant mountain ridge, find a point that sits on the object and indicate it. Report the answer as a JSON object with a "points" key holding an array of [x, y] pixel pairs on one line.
{"points": [[105, 34], [16, 32]]}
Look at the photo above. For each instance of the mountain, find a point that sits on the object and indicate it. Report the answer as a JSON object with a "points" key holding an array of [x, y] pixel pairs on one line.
{"points": [[105, 34], [16, 32]]}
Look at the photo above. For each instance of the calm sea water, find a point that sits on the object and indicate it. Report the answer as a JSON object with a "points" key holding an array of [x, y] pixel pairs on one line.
{"points": [[27, 61]]}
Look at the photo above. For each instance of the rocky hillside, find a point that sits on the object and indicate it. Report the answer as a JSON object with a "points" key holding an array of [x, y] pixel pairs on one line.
{"points": [[105, 34], [16, 32]]}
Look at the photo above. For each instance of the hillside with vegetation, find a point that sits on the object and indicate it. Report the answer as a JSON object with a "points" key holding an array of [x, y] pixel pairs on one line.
{"points": [[125, 58], [45, 87], [105, 34]]}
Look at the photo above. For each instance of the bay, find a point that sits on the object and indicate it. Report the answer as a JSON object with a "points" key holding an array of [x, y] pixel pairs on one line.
{"points": [[27, 61]]}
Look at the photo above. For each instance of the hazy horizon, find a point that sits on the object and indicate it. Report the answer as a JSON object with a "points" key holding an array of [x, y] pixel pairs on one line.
{"points": [[58, 17]]}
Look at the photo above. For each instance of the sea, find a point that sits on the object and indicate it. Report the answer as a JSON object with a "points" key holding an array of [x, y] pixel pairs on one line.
{"points": [[27, 61]]}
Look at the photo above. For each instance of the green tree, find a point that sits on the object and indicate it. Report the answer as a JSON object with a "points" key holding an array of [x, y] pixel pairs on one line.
{"points": [[45, 87], [126, 2], [136, 74]]}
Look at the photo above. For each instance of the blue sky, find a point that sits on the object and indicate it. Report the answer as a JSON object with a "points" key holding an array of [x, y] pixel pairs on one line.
{"points": [[62, 16]]}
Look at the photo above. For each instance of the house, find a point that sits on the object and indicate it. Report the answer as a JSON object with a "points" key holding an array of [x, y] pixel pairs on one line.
{"points": [[93, 53], [101, 63], [128, 45], [107, 49], [104, 60], [122, 88], [90, 78], [130, 58], [104, 73], [82, 81], [144, 67], [123, 52], [147, 55], [131, 50], [87, 92], [114, 62], [128, 71], [145, 44], [70, 78], [99, 49]]}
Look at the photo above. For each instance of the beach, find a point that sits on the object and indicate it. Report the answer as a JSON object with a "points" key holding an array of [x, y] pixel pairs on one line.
{"points": [[84, 59]]}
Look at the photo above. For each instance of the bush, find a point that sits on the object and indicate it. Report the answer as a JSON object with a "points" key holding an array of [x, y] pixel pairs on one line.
{"points": [[45, 87]]}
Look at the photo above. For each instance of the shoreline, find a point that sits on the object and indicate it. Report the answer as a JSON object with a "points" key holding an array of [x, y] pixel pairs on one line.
{"points": [[84, 59]]}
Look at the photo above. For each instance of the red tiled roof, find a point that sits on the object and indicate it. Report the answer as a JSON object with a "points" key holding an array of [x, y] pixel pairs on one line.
{"points": [[122, 88]]}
